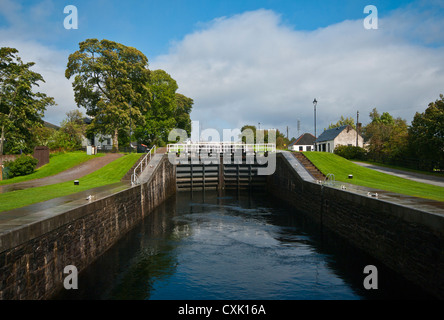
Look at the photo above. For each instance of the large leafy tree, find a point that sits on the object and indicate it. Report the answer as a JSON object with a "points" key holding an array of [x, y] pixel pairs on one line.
{"points": [[20, 107], [387, 137], [426, 135], [111, 83], [168, 110], [182, 113]]}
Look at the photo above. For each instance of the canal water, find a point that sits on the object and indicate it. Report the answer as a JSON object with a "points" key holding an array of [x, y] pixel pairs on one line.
{"points": [[207, 246]]}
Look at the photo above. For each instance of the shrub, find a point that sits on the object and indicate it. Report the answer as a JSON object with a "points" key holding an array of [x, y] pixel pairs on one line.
{"points": [[351, 152], [21, 166]]}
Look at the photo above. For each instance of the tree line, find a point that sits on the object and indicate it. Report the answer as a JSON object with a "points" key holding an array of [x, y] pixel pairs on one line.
{"points": [[419, 145], [113, 82]]}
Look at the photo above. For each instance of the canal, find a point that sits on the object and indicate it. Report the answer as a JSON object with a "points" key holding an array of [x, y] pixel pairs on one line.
{"points": [[234, 246]]}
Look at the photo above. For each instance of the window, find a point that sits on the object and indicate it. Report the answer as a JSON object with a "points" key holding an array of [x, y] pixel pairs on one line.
{"points": [[301, 148], [308, 148]]}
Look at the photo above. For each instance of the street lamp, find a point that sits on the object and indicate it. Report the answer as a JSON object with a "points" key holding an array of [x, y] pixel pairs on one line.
{"points": [[357, 129], [315, 102]]}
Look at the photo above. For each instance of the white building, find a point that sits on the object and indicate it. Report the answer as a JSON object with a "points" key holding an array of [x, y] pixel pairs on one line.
{"points": [[304, 143], [344, 135]]}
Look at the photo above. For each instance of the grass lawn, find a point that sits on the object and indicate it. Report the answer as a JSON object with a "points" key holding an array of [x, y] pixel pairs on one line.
{"points": [[436, 174], [57, 163], [109, 174], [341, 168]]}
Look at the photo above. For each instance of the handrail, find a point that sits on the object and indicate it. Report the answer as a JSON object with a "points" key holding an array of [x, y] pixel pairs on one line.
{"points": [[220, 147], [134, 176]]}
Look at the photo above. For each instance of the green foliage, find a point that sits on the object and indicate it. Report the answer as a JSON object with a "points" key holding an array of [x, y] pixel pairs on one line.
{"points": [[168, 110], [351, 152], [343, 122], [69, 136], [20, 107], [426, 135], [182, 113], [248, 135], [387, 137], [110, 81], [21, 166]]}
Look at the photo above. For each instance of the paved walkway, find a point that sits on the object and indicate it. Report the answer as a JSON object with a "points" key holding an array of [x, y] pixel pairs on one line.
{"points": [[68, 175], [424, 178]]}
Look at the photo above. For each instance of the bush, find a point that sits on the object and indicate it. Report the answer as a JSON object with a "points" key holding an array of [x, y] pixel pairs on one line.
{"points": [[21, 166], [351, 152]]}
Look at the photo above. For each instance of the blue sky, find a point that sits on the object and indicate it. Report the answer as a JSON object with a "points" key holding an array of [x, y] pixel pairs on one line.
{"points": [[251, 61]]}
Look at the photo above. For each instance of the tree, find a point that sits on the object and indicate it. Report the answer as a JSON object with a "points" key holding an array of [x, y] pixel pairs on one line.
{"points": [[70, 135], [426, 135], [111, 82], [387, 137], [343, 122], [183, 111], [168, 110], [20, 107], [159, 119]]}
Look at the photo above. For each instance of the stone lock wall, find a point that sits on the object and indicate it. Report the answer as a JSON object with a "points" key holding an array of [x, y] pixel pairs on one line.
{"points": [[409, 241], [31, 266]]}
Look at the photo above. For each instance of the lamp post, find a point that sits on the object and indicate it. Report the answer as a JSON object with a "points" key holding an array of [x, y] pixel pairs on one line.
{"points": [[357, 129], [315, 102]]}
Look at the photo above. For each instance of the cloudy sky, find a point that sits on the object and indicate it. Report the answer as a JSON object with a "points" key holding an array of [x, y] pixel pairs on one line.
{"points": [[252, 61]]}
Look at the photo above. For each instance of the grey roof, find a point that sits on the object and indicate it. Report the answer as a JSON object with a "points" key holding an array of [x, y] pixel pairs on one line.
{"points": [[306, 139], [331, 134], [50, 125]]}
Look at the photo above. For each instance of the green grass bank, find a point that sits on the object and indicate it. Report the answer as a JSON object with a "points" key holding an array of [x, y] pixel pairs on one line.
{"points": [[342, 168], [109, 174], [57, 163]]}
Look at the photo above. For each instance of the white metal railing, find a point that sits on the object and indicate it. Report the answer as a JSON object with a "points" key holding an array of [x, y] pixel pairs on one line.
{"points": [[141, 166], [220, 147]]}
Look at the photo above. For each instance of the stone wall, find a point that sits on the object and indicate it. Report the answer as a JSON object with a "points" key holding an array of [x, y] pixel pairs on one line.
{"points": [[409, 241], [348, 136], [32, 259]]}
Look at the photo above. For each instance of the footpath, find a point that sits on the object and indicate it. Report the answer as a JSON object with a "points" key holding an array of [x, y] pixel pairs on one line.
{"points": [[74, 173], [424, 178]]}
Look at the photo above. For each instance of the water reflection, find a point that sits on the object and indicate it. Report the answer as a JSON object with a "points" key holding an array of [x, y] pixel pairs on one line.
{"points": [[232, 246]]}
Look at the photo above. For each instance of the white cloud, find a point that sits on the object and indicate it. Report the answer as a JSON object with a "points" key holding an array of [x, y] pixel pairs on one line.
{"points": [[51, 64], [27, 25], [250, 68]]}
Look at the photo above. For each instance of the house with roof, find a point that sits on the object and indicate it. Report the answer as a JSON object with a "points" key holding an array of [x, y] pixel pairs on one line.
{"points": [[343, 135], [101, 141], [304, 143]]}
